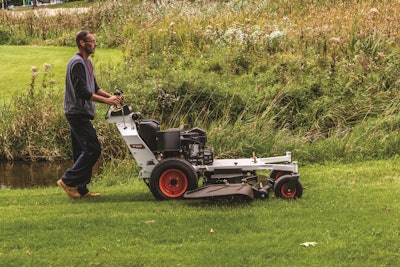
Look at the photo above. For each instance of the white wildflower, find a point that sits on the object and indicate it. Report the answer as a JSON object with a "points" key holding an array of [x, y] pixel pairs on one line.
{"points": [[47, 66], [276, 34], [335, 40], [373, 11]]}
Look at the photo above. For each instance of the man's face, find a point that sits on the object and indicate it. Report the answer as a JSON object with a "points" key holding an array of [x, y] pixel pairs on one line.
{"points": [[90, 44]]}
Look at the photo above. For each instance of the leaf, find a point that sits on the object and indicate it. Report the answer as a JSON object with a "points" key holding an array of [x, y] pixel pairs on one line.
{"points": [[307, 244]]}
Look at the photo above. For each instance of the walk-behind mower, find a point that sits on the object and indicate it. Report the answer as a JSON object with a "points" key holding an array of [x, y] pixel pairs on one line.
{"points": [[172, 161]]}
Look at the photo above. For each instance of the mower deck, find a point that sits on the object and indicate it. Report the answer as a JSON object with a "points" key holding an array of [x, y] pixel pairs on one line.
{"points": [[218, 190]]}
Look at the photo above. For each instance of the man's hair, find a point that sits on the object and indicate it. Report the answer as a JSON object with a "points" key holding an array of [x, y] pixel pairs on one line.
{"points": [[82, 36]]}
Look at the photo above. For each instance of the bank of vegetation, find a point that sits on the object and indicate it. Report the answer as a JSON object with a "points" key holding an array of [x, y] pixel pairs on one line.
{"points": [[319, 78]]}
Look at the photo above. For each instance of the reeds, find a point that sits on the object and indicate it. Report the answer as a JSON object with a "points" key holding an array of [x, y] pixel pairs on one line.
{"points": [[269, 75], [32, 126]]}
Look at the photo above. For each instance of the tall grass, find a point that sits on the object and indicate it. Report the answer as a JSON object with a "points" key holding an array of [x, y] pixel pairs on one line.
{"points": [[31, 124], [315, 77]]}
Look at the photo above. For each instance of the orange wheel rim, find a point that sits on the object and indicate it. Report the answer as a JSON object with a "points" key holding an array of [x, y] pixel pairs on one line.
{"points": [[287, 192], [173, 183]]}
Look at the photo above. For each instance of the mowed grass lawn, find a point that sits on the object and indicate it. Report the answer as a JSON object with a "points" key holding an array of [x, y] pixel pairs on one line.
{"points": [[351, 211], [16, 63]]}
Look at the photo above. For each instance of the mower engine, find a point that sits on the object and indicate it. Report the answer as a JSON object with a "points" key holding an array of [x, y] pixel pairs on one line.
{"points": [[189, 144]]}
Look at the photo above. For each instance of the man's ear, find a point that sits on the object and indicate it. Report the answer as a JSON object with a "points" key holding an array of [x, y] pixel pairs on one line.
{"points": [[82, 43]]}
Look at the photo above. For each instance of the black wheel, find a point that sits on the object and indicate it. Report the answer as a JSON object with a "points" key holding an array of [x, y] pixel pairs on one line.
{"points": [[282, 189], [171, 178], [277, 174]]}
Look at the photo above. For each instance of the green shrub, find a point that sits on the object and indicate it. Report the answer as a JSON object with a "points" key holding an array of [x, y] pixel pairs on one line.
{"points": [[319, 79], [4, 36]]}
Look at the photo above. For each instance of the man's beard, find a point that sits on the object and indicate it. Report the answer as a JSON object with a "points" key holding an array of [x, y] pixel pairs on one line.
{"points": [[89, 51]]}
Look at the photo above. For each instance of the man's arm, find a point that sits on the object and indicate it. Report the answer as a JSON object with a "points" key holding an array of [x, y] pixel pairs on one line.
{"points": [[102, 96]]}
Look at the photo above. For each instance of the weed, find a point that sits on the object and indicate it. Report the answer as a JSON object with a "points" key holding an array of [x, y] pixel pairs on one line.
{"points": [[269, 75]]}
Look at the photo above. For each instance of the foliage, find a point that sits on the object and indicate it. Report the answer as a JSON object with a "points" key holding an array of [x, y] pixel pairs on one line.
{"points": [[319, 79], [32, 129]]}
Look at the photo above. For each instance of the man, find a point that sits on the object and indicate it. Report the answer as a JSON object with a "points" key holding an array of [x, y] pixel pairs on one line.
{"points": [[81, 91]]}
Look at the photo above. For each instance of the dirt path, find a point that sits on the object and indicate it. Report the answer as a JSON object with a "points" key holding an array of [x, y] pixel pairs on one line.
{"points": [[51, 11]]}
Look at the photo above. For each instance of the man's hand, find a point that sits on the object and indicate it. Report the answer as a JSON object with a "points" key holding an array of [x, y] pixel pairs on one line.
{"points": [[114, 100], [107, 98]]}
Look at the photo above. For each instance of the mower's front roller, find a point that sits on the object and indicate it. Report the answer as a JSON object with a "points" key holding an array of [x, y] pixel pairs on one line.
{"points": [[171, 178]]}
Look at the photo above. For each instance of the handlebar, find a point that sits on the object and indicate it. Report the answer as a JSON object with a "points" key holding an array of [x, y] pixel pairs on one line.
{"points": [[118, 92]]}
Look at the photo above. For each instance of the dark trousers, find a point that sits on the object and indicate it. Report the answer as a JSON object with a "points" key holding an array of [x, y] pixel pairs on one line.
{"points": [[86, 150]]}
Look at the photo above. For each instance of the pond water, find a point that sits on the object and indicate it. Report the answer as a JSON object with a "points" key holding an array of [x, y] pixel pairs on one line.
{"points": [[27, 175]]}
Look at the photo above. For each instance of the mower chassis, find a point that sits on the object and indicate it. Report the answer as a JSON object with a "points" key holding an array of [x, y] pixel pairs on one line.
{"points": [[147, 161]]}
